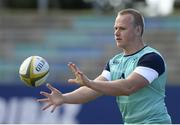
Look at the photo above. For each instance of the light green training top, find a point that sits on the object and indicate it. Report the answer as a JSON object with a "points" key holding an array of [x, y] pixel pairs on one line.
{"points": [[146, 106]]}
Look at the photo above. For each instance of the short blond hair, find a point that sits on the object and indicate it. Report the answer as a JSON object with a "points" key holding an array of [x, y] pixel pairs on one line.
{"points": [[138, 18]]}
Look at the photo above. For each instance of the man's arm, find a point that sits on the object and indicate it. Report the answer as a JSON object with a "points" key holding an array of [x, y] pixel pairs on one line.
{"points": [[119, 87], [83, 94], [56, 98], [149, 67]]}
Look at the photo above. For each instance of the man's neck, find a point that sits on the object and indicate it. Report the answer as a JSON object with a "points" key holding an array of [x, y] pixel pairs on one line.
{"points": [[134, 48]]}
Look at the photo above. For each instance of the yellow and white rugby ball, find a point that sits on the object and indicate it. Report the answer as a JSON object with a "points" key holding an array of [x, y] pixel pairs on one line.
{"points": [[34, 71]]}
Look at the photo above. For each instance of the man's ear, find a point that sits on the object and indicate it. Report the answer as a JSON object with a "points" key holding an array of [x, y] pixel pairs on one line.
{"points": [[138, 30]]}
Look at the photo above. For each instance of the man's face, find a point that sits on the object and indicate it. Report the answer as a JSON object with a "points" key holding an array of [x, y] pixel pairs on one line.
{"points": [[124, 30]]}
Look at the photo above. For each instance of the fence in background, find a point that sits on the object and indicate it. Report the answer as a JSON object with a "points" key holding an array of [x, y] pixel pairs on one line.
{"points": [[86, 40]]}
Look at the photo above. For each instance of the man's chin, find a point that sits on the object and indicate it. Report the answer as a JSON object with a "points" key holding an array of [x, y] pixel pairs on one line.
{"points": [[119, 45]]}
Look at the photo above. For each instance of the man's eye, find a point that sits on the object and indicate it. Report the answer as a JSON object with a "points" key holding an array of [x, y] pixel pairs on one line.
{"points": [[122, 28]]}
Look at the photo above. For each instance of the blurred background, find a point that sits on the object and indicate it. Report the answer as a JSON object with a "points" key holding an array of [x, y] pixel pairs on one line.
{"points": [[80, 31]]}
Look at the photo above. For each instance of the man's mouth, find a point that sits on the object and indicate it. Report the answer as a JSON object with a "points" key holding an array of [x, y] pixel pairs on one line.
{"points": [[118, 39]]}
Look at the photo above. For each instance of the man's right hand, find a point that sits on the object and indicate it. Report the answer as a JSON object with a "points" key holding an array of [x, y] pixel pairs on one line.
{"points": [[54, 99]]}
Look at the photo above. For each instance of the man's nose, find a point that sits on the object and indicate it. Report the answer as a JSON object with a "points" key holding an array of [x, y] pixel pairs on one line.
{"points": [[116, 33]]}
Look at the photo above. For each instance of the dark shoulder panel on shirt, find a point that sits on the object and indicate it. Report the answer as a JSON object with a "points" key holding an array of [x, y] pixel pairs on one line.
{"points": [[107, 67], [153, 61]]}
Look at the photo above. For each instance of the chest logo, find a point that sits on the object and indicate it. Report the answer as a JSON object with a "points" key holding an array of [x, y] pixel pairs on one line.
{"points": [[115, 62]]}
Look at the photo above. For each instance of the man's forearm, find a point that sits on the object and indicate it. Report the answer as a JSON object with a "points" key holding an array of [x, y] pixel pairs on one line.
{"points": [[81, 95]]}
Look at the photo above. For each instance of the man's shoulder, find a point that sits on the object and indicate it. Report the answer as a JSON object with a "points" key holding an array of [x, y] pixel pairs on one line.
{"points": [[151, 49], [119, 55]]}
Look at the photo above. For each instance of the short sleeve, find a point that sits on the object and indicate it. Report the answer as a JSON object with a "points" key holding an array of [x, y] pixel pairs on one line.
{"points": [[153, 61], [107, 67], [150, 66], [106, 72]]}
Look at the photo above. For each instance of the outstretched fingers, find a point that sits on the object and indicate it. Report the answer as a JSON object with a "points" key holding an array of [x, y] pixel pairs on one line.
{"points": [[53, 98], [46, 107], [45, 94], [51, 87], [72, 80], [79, 78], [53, 109], [73, 67], [80, 74], [42, 100]]}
